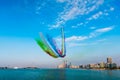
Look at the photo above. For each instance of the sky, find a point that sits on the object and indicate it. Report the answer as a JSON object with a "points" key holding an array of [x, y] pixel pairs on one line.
{"points": [[91, 28]]}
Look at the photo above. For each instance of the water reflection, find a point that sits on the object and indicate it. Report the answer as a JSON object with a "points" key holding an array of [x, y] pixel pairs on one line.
{"points": [[109, 72], [53, 74]]}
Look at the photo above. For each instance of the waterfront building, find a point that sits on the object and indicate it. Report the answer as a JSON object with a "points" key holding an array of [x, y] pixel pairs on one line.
{"points": [[113, 65], [69, 65], [81, 66], [102, 65], [91, 66], [74, 67], [63, 65], [107, 65], [109, 60], [87, 66]]}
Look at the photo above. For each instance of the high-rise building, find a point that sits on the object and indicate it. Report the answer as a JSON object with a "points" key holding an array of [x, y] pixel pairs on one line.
{"points": [[69, 65], [63, 65], [102, 65], [109, 60]]}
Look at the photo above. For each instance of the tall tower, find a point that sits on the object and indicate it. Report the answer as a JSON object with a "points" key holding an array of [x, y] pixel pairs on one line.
{"points": [[109, 60], [65, 63]]}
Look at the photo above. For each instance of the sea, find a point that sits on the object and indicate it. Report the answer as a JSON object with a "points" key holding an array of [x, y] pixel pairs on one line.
{"points": [[58, 74]]}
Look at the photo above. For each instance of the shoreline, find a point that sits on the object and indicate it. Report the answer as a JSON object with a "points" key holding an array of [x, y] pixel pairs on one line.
{"points": [[54, 68]]}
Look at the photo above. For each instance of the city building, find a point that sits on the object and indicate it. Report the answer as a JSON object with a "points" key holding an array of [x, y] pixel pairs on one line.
{"points": [[109, 60], [91, 66], [113, 65], [69, 65], [102, 65], [81, 66], [74, 67], [109, 64], [63, 65]]}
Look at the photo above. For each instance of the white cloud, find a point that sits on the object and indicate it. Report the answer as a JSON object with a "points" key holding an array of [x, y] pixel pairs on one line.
{"points": [[76, 38], [104, 29], [76, 8], [57, 24], [100, 13], [78, 25], [72, 38], [93, 34], [100, 31], [95, 16], [39, 6], [106, 12]]}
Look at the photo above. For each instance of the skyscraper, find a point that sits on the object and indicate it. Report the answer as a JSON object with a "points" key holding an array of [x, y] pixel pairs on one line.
{"points": [[63, 65], [109, 60]]}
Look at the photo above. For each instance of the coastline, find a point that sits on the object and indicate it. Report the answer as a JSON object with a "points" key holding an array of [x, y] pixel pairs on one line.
{"points": [[6, 68]]}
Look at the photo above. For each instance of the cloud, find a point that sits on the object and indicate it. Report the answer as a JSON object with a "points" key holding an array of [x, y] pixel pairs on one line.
{"points": [[95, 16], [75, 8], [93, 34], [106, 12], [79, 24], [100, 13], [100, 31], [72, 38], [76, 38], [39, 6], [104, 29]]}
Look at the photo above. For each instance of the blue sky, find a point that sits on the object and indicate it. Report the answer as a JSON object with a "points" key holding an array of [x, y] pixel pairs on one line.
{"points": [[91, 28]]}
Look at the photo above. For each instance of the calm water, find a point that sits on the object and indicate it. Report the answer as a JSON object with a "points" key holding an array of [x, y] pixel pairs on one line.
{"points": [[59, 74]]}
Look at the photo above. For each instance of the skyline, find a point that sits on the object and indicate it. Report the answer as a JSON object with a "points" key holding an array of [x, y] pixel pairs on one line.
{"points": [[91, 29]]}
